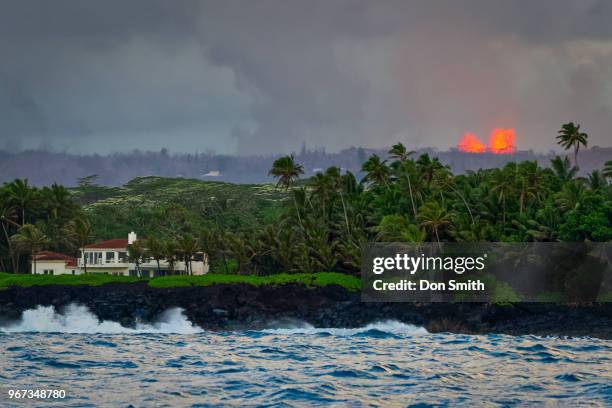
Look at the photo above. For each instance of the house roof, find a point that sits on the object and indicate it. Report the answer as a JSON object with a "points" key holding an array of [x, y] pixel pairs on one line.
{"points": [[110, 244], [54, 256]]}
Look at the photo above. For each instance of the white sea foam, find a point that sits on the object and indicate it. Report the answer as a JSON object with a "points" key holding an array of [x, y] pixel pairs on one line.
{"points": [[79, 319], [387, 326]]}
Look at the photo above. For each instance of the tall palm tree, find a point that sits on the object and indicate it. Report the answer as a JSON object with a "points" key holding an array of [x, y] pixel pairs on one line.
{"points": [[56, 198], [399, 152], [338, 184], [22, 195], [30, 239], [502, 186], [428, 167], [136, 252], [563, 168], [570, 136], [376, 171], [434, 218], [322, 189], [443, 179], [79, 230], [531, 182], [155, 249], [287, 171], [8, 217], [188, 246], [169, 250]]}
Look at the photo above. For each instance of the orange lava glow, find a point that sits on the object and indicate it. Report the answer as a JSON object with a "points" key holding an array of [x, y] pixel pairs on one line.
{"points": [[501, 141], [471, 144]]}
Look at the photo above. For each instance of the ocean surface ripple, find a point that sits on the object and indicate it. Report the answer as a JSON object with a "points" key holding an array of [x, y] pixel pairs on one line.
{"points": [[172, 363]]}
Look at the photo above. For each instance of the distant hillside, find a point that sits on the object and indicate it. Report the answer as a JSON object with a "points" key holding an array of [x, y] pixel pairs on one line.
{"points": [[44, 168], [162, 205]]}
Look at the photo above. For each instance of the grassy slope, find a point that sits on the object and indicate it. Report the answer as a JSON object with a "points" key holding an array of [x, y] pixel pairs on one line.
{"points": [[134, 206], [311, 280]]}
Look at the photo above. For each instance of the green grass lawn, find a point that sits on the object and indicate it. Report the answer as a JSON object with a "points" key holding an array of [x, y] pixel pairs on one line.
{"points": [[312, 280], [24, 280]]}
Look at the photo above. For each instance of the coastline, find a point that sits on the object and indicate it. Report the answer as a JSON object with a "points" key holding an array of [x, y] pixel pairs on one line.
{"points": [[232, 307]]}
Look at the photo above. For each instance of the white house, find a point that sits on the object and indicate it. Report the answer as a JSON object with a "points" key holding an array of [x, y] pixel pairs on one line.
{"points": [[111, 257], [52, 263]]}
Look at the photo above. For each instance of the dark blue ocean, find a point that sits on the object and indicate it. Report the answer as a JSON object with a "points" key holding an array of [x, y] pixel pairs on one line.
{"points": [[174, 364]]}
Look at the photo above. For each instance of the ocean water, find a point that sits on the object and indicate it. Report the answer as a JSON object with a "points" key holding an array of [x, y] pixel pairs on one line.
{"points": [[172, 363]]}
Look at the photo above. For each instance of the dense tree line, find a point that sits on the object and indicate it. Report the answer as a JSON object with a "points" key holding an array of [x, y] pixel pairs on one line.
{"points": [[328, 218], [332, 215]]}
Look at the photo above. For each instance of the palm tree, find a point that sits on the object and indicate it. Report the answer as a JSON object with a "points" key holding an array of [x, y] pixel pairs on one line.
{"points": [[443, 178], [570, 136], [502, 186], [322, 189], [30, 239], [288, 172], [57, 198], [169, 250], [188, 246], [376, 171], [434, 218], [22, 195], [607, 171], [596, 180], [79, 230], [428, 167], [136, 253], [155, 249], [7, 217], [399, 152], [530, 179], [396, 228], [571, 196], [563, 168]]}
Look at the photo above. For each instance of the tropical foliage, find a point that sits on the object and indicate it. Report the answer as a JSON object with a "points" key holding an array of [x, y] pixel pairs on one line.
{"points": [[317, 224]]}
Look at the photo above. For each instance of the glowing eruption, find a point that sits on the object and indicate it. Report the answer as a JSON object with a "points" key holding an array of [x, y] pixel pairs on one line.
{"points": [[501, 141], [471, 144]]}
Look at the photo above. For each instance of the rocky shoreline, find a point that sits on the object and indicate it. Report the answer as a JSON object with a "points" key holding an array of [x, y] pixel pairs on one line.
{"points": [[242, 306]]}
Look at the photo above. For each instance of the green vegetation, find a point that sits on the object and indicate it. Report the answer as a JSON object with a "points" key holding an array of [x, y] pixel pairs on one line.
{"points": [[172, 206], [23, 280], [314, 225], [310, 280]]}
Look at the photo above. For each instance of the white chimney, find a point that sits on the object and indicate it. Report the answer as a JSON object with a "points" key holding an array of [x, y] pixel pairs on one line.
{"points": [[132, 237]]}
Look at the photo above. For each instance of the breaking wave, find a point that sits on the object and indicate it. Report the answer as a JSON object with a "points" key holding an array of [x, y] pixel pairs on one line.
{"points": [[76, 318], [388, 326], [79, 319]]}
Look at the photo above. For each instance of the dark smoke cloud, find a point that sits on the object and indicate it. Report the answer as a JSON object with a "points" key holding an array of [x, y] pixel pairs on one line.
{"points": [[264, 76]]}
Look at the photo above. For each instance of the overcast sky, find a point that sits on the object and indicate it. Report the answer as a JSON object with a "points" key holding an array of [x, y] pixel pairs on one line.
{"points": [[263, 76]]}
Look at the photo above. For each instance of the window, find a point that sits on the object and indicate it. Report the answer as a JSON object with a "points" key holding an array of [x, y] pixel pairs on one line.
{"points": [[73, 272], [48, 271], [123, 257], [110, 257]]}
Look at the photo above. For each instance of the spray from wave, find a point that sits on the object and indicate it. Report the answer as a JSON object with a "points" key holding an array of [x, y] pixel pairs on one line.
{"points": [[388, 326], [79, 319]]}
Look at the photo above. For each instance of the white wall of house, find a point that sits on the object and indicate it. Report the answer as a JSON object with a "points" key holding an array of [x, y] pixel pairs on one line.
{"points": [[55, 268]]}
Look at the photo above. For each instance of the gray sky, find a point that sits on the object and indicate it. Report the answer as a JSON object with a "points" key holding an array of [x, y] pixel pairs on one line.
{"points": [[262, 76]]}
